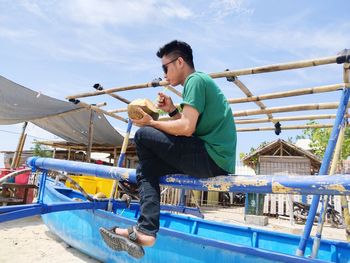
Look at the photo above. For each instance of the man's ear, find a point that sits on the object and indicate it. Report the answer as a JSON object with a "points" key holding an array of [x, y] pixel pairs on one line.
{"points": [[181, 62]]}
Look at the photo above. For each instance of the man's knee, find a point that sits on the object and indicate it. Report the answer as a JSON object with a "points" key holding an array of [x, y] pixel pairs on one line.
{"points": [[143, 133]]}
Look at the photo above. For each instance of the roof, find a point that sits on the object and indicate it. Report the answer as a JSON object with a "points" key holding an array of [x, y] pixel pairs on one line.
{"points": [[66, 120], [282, 148]]}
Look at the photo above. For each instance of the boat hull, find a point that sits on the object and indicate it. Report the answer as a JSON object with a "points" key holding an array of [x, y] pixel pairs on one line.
{"points": [[180, 239]]}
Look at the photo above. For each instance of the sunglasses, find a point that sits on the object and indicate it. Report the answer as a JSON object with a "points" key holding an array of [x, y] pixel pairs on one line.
{"points": [[165, 66]]}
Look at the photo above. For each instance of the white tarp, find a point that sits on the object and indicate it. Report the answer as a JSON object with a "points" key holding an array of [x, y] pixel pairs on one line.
{"points": [[64, 119]]}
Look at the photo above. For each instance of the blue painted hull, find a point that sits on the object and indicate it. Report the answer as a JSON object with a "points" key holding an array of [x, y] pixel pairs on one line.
{"points": [[181, 238]]}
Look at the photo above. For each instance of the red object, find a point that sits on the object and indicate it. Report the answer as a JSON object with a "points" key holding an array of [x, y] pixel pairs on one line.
{"points": [[23, 179], [4, 171]]}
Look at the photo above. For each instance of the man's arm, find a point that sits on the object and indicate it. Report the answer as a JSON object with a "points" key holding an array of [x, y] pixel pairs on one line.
{"points": [[183, 124]]}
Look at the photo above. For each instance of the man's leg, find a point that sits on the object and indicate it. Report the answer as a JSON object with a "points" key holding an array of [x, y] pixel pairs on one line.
{"points": [[161, 154]]}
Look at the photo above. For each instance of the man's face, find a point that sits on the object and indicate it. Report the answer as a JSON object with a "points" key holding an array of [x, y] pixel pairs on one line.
{"points": [[171, 69]]}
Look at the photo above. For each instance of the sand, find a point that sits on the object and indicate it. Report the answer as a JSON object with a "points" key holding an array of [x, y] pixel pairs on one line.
{"points": [[29, 240]]}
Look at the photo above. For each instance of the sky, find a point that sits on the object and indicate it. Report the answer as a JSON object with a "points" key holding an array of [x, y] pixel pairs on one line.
{"points": [[61, 48]]}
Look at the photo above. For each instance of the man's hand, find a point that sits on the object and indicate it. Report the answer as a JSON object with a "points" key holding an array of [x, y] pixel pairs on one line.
{"points": [[146, 120], [165, 103]]}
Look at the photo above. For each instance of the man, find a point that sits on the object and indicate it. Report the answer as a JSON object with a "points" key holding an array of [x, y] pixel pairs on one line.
{"points": [[200, 141]]}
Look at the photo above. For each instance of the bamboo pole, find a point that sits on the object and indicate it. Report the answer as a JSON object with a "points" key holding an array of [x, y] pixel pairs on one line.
{"points": [[293, 127], [91, 136], [300, 107], [232, 73], [321, 219], [248, 93], [97, 86], [289, 118], [344, 201], [19, 154], [119, 98], [341, 111], [120, 164], [97, 109], [115, 156], [172, 89], [101, 104], [290, 93], [69, 149], [276, 67], [117, 89], [14, 158], [118, 110]]}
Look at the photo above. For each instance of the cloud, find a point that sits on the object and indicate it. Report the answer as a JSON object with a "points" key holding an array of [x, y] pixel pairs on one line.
{"points": [[33, 7], [104, 12], [14, 34], [220, 9]]}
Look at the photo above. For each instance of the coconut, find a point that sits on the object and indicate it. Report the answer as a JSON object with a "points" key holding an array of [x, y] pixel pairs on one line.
{"points": [[146, 105]]}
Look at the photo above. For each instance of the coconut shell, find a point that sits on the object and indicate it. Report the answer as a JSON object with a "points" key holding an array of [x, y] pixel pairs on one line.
{"points": [[146, 105]]}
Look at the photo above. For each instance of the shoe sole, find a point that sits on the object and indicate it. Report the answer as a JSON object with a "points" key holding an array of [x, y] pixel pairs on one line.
{"points": [[120, 243]]}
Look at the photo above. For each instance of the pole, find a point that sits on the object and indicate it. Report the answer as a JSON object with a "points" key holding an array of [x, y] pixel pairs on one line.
{"points": [[317, 240], [324, 169], [20, 142], [120, 163], [91, 136], [275, 184]]}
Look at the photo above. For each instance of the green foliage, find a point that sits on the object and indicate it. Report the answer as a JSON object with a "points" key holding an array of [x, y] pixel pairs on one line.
{"points": [[319, 139], [241, 155], [254, 159], [41, 151]]}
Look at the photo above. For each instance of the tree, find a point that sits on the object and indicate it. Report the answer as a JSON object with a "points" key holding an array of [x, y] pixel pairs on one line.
{"points": [[319, 140], [41, 151]]}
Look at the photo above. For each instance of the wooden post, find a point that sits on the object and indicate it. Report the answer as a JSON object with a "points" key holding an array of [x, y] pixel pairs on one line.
{"points": [[68, 157], [91, 136], [115, 156], [19, 154], [20, 142], [54, 153], [344, 201]]}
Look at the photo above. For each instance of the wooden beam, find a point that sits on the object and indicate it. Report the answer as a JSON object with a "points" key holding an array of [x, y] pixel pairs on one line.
{"points": [[290, 93], [97, 109], [248, 93], [232, 73], [288, 118], [301, 107], [295, 127]]}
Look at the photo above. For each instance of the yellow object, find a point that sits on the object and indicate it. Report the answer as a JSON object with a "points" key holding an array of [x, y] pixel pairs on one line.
{"points": [[75, 178], [104, 185], [88, 184], [92, 184], [213, 198]]}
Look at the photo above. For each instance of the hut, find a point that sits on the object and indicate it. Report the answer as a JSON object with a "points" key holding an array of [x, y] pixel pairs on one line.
{"points": [[282, 158]]}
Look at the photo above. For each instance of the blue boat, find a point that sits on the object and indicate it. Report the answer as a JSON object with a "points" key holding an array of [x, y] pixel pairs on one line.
{"points": [[181, 238]]}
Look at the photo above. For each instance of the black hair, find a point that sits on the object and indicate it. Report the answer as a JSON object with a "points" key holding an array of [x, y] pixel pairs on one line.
{"points": [[177, 48]]}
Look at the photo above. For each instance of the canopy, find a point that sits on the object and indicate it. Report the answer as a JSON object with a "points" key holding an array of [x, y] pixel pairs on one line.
{"points": [[64, 119]]}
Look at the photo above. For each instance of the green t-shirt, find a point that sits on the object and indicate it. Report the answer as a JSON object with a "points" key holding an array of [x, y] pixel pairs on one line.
{"points": [[215, 125]]}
